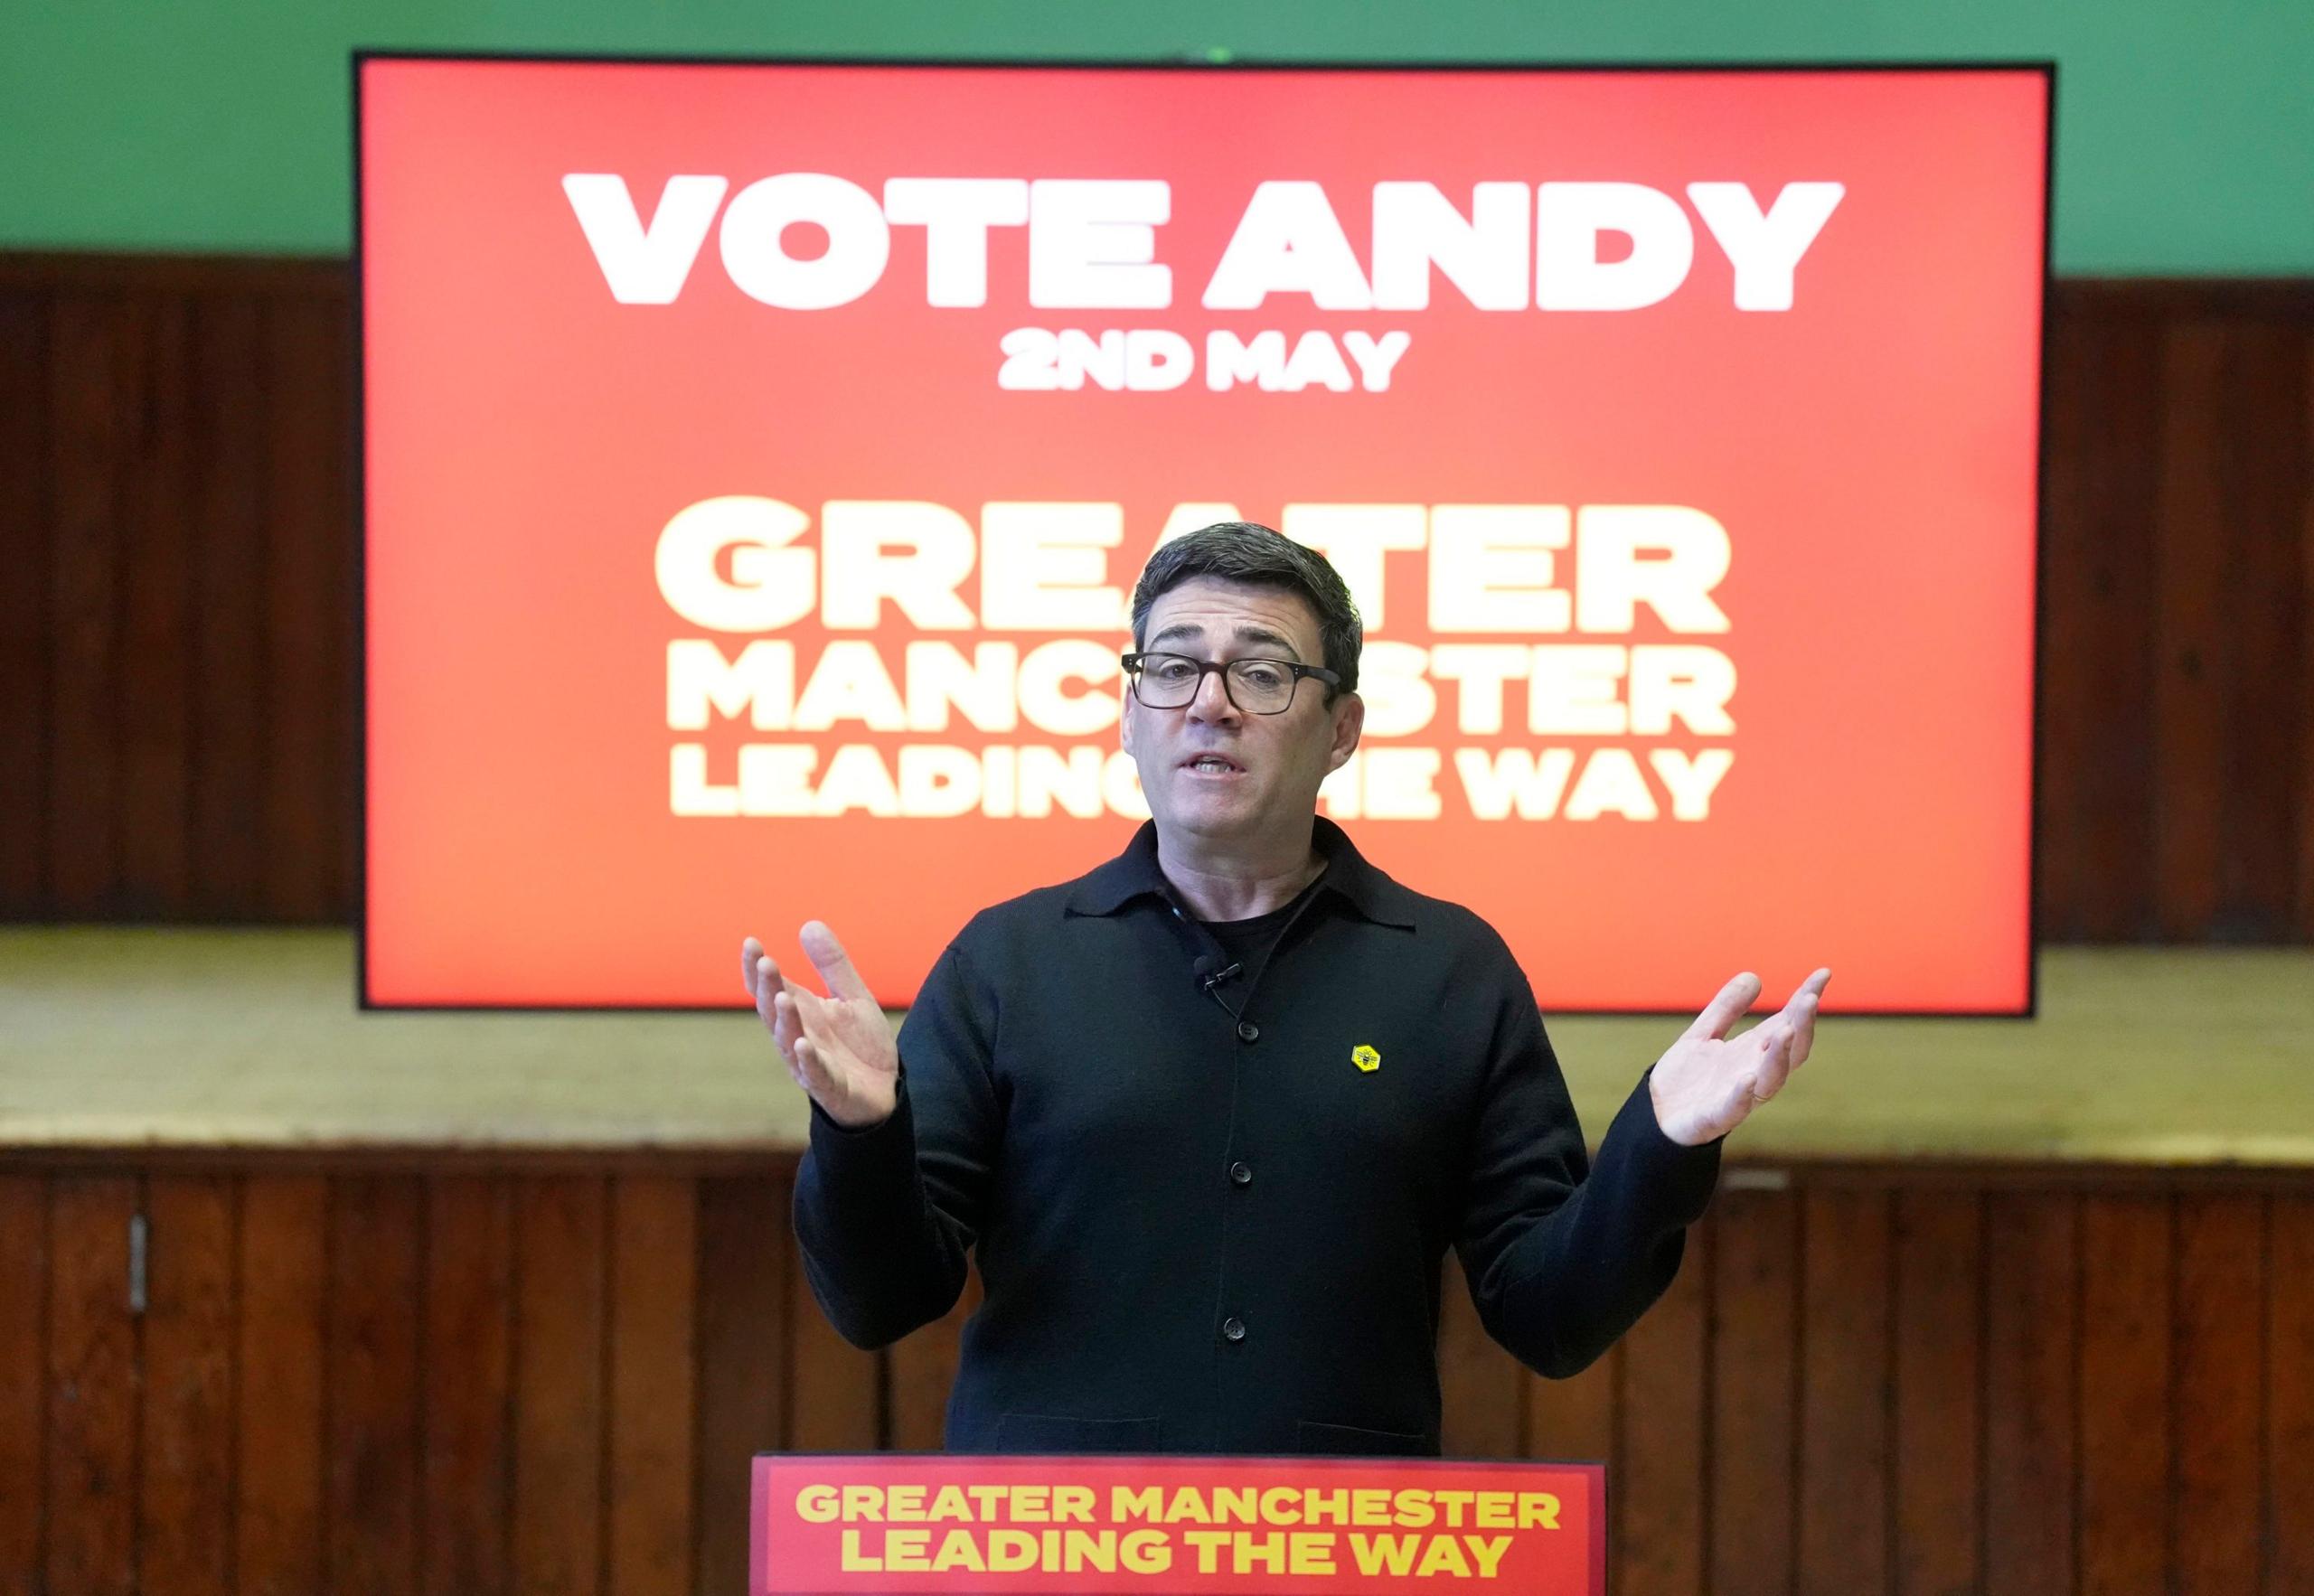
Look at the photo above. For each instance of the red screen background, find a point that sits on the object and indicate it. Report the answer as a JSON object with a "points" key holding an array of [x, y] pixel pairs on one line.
{"points": [[1872, 453]]}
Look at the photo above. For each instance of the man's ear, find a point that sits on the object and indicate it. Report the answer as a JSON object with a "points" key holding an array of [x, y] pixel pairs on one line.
{"points": [[1350, 719], [1124, 717]]}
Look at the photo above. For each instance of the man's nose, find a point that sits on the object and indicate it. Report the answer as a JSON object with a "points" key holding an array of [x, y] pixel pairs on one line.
{"points": [[1212, 699]]}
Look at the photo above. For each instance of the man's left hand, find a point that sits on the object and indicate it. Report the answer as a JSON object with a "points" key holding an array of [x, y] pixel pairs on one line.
{"points": [[1706, 1084]]}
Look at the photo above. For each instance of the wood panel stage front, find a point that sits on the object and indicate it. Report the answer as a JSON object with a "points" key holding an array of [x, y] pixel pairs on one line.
{"points": [[482, 1303]]}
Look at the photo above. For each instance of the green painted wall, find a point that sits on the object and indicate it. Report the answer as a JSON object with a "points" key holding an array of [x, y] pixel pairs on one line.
{"points": [[2185, 132]]}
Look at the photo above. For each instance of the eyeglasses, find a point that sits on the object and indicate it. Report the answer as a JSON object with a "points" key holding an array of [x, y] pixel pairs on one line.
{"points": [[1257, 687]]}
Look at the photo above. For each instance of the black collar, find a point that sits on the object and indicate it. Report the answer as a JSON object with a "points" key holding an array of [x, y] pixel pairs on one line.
{"points": [[1134, 874]]}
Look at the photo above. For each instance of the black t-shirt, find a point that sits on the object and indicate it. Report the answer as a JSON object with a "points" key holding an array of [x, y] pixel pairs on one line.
{"points": [[1248, 943]]}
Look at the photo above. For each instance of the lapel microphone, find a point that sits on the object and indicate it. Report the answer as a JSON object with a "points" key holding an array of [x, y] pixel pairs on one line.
{"points": [[1209, 978]]}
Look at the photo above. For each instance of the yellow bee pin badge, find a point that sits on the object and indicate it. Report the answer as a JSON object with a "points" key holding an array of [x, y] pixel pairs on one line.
{"points": [[1365, 1058]]}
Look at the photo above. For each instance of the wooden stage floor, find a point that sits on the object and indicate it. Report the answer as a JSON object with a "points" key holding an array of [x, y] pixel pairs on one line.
{"points": [[200, 1039]]}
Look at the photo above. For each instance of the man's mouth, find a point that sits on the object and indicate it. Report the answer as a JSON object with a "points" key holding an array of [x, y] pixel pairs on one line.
{"points": [[1213, 765]]}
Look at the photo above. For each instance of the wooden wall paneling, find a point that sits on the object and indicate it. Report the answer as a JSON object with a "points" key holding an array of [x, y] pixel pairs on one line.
{"points": [[2126, 1269], [342, 495], [23, 1377], [2218, 1440], [654, 1407], [834, 1397], [92, 1388], [2095, 790], [185, 1535], [2190, 691], [1844, 1370], [2304, 925], [2260, 403], [308, 607], [2031, 1268], [921, 1370], [1655, 1543], [2179, 560], [279, 1421], [834, 1390], [2289, 1395], [156, 620], [26, 693], [1479, 1382], [1938, 1348], [1754, 1339], [178, 449], [561, 1234], [230, 706], [94, 398], [2061, 720], [1573, 1421], [376, 1298], [466, 1491], [744, 1255]]}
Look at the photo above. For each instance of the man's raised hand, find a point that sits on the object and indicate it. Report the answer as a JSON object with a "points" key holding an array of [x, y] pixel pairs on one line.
{"points": [[1706, 1085], [840, 1049]]}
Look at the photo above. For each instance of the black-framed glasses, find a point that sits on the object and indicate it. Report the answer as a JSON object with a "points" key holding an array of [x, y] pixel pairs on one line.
{"points": [[1257, 687]]}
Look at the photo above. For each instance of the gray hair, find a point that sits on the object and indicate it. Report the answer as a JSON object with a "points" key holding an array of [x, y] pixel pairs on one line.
{"points": [[1259, 557]]}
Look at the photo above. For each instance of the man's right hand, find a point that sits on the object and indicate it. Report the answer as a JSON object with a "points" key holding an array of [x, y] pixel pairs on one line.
{"points": [[840, 1049]]}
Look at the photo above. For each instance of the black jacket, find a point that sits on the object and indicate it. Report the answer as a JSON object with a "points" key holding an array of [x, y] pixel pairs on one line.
{"points": [[1208, 1232]]}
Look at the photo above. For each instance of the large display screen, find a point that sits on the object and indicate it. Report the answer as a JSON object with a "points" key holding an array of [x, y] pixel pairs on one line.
{"points": [[759, 459]]}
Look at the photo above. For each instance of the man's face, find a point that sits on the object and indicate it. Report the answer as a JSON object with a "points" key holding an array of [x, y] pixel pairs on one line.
{"points": [[1215, 771]]}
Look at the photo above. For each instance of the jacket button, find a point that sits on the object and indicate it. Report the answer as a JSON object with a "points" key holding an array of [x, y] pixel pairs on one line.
{"points": [[1247, 1032], [1233, 1328], [1241, 1173]]}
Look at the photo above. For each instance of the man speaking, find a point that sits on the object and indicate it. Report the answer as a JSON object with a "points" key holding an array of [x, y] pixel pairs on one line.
{"points": [[1212, 1113]]}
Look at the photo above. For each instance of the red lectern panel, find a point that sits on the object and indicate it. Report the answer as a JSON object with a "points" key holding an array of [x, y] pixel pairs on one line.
{"points": [[895, 1523]]}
